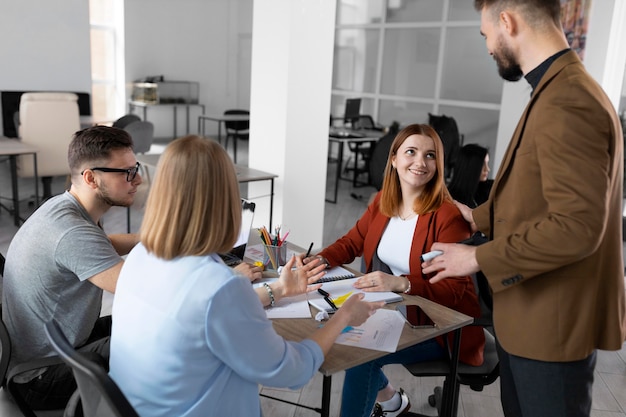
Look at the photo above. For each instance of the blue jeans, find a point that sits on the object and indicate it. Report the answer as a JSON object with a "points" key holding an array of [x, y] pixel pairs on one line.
{"points": [[363, 382]]}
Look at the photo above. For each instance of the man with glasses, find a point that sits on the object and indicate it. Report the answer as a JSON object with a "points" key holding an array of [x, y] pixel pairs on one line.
{"points": [[60, 261]]}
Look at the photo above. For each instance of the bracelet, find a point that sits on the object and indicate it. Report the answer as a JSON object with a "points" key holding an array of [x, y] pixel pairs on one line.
{"points": [[270, 293], [408, 290]]}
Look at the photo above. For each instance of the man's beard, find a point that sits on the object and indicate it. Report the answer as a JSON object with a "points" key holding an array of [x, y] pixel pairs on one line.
{"points": [[508, 67], [104, 196]]}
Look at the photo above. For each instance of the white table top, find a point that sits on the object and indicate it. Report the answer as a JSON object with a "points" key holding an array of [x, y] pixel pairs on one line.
{"points": [[15, 147]]}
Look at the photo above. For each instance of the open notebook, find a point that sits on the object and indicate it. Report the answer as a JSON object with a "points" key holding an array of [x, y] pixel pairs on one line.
{"points": [[340, 288], [335, 274]]}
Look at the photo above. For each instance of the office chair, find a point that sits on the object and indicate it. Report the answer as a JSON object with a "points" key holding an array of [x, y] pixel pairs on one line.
{"points": [[476, 377], [7, 378], [99, 394], [125, 120], [379, 156], [448, 131], [361, 151], [142, 133], [236, 130], [47, 121]]}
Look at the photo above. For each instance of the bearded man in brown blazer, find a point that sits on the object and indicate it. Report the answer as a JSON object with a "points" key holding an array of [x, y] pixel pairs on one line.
{"points": [[554, 261]]}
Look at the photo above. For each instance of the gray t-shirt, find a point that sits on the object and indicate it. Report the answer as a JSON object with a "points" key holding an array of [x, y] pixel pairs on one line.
{"points": [[47, 266]]}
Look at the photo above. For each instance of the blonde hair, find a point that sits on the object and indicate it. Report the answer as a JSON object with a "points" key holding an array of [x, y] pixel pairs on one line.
{"points": [[194, 207], [435, 192]]}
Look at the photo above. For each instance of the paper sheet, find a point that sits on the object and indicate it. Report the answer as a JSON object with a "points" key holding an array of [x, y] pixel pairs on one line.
{"points": [[381, 331]]}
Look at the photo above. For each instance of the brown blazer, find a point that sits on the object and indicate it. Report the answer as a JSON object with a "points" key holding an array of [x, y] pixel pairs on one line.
{"points": [[554, 217]]}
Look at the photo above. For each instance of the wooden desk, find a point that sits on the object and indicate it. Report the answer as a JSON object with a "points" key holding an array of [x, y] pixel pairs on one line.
{"points": [[244, 174], [174, 106], [13, 148], [335, 136], [342, 357], [222, 118]]}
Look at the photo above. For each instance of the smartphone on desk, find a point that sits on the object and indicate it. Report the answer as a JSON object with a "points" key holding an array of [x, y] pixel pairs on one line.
{"points": [[416, 317]]}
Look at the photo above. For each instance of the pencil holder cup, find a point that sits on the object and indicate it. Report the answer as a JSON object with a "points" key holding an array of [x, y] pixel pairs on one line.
{"points": [[274, 256]]}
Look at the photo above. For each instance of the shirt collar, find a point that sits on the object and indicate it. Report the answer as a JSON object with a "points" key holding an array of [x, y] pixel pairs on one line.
{"points": [[534, 76]]}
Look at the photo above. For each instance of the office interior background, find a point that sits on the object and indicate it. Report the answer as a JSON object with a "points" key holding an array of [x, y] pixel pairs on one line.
{"points": [[405, 58]]}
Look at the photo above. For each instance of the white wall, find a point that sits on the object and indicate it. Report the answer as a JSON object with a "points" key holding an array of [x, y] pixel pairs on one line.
{"points": [[44, 45], [190, 40]]}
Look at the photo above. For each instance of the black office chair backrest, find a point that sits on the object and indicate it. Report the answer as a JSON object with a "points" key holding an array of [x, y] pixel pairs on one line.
{"points": [[380, 153], [99, 394], [125, 120], [237, 125], [448, 131], [142, 134]]}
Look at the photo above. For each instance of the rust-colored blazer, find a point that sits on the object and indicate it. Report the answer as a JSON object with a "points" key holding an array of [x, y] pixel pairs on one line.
{"points": [[554, 215], [444, 225]]}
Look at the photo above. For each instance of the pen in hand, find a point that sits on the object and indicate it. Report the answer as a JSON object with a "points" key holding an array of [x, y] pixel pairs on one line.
{"points": [[308, 253]]}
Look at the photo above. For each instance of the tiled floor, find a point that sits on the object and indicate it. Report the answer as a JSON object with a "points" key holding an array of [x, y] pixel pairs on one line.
{"points": [[609, 396]]}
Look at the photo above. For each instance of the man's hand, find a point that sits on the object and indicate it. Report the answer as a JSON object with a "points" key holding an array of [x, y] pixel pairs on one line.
{"points": [[457, 260], [466, 212]]}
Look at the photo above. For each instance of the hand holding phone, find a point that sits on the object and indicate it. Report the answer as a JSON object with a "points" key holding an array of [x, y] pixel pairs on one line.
{"points": [[416, 317]]}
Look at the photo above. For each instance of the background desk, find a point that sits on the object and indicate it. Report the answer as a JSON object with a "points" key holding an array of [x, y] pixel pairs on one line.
{"points": [[244, 174], [13, 148], [132, 105], [221, 119]]}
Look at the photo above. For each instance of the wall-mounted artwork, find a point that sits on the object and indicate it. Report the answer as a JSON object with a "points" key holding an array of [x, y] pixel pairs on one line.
{"points": [[575, 20]]}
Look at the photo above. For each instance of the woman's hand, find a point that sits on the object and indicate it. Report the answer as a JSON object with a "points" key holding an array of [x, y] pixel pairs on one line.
{"points": [[380, 281], [357, 310], [298, 281], [253, 272], [315, 257]]}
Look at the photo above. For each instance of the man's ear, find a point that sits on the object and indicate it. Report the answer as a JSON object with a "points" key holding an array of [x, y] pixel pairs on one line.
{"points": [[89, 178], [509, 22]]}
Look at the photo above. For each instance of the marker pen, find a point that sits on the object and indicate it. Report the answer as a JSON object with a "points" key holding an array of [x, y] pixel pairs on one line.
{"points": [[430, 255]]}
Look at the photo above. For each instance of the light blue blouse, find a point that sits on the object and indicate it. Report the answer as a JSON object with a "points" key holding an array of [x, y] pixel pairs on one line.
{"points": [[190, 338]]}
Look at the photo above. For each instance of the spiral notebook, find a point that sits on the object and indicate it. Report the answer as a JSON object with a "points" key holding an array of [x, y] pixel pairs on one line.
{"points": [[336, 273]]}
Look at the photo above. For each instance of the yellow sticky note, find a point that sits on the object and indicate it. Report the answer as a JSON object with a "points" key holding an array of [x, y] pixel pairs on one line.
{"points": [[341, 299]]}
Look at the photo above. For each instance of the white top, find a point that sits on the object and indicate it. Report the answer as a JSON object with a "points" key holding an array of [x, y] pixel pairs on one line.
{"points": [[394, 248]]}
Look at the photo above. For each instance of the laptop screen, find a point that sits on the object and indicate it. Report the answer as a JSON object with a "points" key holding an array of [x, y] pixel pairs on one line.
{"points": [[247, 216]]}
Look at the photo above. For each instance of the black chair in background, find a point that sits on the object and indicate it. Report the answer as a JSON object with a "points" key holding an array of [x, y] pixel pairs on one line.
{"points": [[448, 131], [361, 151], [236, 129], [99, 394], [379, 156], [125, 120]]}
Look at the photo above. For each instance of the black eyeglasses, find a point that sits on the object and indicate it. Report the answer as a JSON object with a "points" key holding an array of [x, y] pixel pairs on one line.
{"points": [[131, 173]]}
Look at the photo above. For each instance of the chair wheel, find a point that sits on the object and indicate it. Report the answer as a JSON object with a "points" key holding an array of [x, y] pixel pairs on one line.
{"points": [[432, 400]]}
